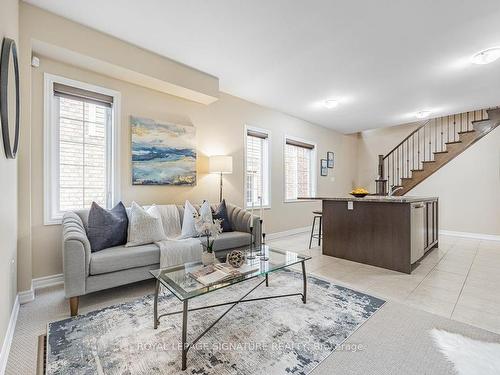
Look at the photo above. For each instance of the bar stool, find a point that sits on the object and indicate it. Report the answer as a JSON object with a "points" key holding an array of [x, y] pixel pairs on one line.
{"points": [[319, 235]]}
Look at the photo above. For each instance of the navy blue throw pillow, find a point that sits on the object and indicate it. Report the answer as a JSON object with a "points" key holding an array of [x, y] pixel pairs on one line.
{"points": [[220, 212], [107, 228]]}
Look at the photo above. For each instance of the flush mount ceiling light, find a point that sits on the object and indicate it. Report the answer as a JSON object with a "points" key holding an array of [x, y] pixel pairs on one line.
{"points": [[422, 114], [331, 103], [487, 56]]}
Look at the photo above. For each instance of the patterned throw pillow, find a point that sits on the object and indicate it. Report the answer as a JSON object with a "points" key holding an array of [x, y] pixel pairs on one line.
{"points": [[220, 212], [188, 227], [144, 226], [206, 211], [107, 228]]}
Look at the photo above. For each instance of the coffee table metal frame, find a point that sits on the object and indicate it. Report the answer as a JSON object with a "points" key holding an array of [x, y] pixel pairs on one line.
{"points": [[185, 308]]}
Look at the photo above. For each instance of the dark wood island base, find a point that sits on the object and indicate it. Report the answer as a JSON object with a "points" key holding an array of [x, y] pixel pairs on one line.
{"points": [[380, 231]]}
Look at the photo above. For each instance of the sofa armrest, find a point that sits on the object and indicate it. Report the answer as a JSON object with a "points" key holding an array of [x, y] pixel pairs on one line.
{"points": [[76, 255], [241, 218]]}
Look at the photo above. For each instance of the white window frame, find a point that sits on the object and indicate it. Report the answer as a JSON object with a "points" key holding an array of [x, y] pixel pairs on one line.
{"points": [[314, 163], [52, 215], [269, 157]]}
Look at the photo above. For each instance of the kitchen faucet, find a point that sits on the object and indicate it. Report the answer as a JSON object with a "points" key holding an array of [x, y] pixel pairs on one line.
{"points": [[393, 189]]}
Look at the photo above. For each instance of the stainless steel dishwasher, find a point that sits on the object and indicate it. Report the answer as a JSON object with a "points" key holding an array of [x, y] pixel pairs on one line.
{"points": [[417, 221]]}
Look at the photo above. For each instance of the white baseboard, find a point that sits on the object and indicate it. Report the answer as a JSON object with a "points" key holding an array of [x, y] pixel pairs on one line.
{"points": [[46, 281], [26, 296], [9, 334], [478, 236], [291, 232], [22, 298], [39, 283]]}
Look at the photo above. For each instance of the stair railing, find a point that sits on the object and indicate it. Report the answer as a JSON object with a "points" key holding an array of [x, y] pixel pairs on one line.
{"points": [[421, 145]]}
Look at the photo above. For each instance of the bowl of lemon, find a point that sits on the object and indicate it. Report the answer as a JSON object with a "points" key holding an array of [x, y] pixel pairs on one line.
{"points": [[359, 192]]}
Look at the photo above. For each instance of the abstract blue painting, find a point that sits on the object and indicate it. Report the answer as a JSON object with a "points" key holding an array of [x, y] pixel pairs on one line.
{"points": [[162, 154]]}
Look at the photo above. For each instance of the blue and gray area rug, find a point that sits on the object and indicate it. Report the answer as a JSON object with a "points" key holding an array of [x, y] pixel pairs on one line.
{"points": [[277, 336]]}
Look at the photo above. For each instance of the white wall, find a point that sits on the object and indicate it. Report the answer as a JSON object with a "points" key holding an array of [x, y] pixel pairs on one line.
{"points": [[371, 144], [9, 17], [468, 188]]}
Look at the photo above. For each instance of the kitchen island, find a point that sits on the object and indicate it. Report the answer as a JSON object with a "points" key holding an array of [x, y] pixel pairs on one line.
{"points": [[382, 231]]}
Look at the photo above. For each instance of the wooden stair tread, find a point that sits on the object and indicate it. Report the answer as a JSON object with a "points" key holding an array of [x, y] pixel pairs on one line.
{"points": [[466, 138], [478, 121]]}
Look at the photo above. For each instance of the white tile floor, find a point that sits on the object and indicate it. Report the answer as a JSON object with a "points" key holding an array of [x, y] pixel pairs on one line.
{"points": [[459, 280]]}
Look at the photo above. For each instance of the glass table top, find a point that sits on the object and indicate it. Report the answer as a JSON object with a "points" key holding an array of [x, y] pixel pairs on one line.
{"points": [[183, 285]]}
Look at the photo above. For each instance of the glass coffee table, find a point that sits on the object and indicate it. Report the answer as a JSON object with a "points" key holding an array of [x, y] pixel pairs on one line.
{"points": [[178, 280]]}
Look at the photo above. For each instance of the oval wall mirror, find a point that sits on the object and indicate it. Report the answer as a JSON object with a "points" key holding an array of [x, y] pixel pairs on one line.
{"points": [[9, 97]]}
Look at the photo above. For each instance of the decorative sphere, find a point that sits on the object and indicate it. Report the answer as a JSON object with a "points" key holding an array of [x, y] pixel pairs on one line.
{"points": [[236, 258]]}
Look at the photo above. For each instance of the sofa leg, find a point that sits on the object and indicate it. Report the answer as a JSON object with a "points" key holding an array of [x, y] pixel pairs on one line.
{"points": [[73, 305]]}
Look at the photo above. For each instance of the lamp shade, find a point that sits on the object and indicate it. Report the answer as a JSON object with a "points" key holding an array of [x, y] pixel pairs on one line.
{"points": [[220, 164]]}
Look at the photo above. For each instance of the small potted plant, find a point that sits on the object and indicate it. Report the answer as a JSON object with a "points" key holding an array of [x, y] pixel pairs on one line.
{"points": [[210, 229]]}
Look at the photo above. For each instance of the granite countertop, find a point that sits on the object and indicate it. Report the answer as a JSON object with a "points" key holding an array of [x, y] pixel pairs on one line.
{"points": [[374, 198]]}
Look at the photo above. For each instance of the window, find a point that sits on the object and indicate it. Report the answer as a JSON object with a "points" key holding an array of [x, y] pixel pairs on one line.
{"points": [[80, 144], [300, 178], [257, 168]]}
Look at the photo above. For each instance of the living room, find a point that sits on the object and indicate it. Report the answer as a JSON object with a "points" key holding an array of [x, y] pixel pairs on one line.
{"points": [[175, 112]]}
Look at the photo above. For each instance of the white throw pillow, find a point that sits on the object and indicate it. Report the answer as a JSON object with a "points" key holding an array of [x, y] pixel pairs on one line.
{"points": [[144, 226], [188, 227], [206, 212]]}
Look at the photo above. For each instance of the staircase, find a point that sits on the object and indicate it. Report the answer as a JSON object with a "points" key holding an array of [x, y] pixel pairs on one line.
{"points": [[431, 146]]}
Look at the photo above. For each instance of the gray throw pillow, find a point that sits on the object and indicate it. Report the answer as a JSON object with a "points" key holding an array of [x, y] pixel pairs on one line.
{"points": [[107, 228], [220, 212]]}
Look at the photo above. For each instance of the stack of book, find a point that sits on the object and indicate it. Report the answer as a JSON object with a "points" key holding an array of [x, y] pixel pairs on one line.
{"points": [[216, 273]]}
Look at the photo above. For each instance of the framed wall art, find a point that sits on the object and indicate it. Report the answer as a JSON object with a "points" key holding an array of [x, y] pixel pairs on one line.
{"points": [[162, 153], [324, 167], [330, 157]]}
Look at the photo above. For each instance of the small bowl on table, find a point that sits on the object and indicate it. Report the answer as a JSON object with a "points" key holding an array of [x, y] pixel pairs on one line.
{"points": [[359, 195]]}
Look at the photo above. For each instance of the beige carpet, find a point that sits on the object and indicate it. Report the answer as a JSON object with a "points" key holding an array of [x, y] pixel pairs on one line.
{"points": [[394, 341]]}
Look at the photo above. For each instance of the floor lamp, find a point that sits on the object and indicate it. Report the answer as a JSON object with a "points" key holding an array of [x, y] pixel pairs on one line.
{"points": [[220, 164]]}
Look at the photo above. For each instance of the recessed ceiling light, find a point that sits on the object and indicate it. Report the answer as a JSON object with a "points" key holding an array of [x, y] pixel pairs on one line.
{"points": [[330, 103], [487, 56], [422, 114]]}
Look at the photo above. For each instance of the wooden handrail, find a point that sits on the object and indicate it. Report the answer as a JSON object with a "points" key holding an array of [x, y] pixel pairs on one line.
{"points": [[409, 136], [422, 145]]}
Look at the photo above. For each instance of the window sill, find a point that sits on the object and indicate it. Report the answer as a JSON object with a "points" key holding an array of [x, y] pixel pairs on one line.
{"points": [[52, 217], [53, 221]]}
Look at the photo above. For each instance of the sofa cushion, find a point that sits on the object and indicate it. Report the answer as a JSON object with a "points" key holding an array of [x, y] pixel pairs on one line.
{"points": [[145, 227], [220, 213], [120, 258], [230, 240], [188, 221], [205, 211], [107, 228]]}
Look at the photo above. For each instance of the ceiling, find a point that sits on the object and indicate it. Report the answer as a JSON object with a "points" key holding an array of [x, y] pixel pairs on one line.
{"points": [[383, 60]]}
